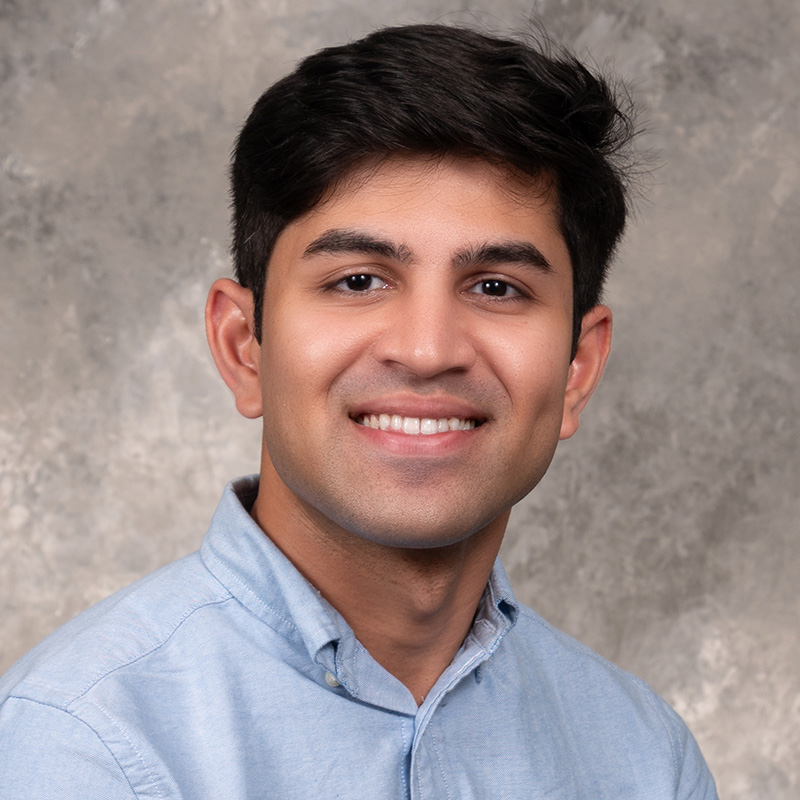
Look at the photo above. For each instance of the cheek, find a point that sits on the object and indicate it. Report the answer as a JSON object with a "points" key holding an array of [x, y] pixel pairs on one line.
{"points": [[298, 364], [532, 367]]}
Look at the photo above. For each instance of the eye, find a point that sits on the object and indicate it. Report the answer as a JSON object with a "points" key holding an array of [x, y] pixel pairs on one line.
{"points": [[361, 282], [493, 287]]}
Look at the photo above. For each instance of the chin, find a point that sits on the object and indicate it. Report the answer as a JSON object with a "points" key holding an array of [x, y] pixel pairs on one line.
{"points": [[416, 529]]}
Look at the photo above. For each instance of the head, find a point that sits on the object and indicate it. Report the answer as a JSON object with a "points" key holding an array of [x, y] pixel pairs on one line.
{"points": [[434, 90], [421, 250]]}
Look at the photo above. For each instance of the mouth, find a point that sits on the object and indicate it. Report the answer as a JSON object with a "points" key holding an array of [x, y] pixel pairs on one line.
{"points": [[415, 426]]}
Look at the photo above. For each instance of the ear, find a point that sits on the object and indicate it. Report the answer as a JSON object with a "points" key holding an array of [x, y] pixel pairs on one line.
{"points": [[587, 367], [237, 354]]}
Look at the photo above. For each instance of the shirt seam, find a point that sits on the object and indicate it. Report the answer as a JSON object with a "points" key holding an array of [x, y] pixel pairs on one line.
{"points": [[439, 760], [407, 747], [100, 739], [133, 747], [188, 613], [218, 564]]}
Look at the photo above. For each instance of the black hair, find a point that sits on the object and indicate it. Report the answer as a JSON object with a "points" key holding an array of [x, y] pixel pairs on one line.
{"points": [[435, 90]]}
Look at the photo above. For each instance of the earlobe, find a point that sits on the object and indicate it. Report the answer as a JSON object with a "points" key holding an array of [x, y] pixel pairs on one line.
{"points": [[229, 328], [587, 367]]}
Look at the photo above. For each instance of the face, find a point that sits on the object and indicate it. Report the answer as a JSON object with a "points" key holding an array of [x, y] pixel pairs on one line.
{"points": [[415, 353]]}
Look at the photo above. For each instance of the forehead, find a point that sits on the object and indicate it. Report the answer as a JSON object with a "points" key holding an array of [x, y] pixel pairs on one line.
{"points": [[413, 198], [419, 174]]}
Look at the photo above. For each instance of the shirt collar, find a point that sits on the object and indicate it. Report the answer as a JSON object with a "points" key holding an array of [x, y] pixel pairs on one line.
{"points": [[246, 561]]}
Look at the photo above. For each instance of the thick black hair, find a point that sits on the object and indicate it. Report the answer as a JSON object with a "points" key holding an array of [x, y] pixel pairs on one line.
{"points": [[435, 90]]}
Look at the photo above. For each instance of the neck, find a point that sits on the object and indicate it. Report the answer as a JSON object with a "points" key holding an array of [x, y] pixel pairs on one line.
{"points": [[410, 608]]}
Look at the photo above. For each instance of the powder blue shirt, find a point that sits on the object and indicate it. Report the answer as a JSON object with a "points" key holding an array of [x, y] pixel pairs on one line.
{"points": [[226, 676]]}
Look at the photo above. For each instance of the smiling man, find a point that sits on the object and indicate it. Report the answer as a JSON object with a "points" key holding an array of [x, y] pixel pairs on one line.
{"points": [[422, 224]]}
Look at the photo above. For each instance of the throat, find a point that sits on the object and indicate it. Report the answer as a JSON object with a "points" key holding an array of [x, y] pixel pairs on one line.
{"points": [[411, 608], [421, 610]]}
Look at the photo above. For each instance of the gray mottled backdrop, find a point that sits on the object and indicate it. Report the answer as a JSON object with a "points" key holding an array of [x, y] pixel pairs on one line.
{"points": [[665, 535]]}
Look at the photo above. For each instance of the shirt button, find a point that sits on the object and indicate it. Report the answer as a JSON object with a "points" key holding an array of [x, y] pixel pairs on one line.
{"points": [[330, 679]]}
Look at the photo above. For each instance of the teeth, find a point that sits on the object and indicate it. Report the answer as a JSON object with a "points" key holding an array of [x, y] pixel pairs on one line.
{"points": [[415, 426], [411, 425], [429, 426]]}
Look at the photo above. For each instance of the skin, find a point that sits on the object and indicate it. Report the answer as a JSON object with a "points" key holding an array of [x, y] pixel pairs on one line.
{"points": [[426, 290]]}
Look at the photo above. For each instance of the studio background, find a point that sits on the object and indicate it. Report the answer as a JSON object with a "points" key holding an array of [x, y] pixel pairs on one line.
{"points": [[665, 535]]}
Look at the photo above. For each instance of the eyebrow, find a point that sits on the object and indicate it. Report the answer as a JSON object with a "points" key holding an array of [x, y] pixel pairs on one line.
{"points": [[490, 254], [343, 240]]}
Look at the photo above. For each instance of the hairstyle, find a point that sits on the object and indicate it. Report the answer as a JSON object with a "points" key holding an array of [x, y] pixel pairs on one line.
{"points": [[435, 90]]}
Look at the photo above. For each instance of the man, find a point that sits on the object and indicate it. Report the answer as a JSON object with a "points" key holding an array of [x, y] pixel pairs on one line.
{"points": [[422, 224]]}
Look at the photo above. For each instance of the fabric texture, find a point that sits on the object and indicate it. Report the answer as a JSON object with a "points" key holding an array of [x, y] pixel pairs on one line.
{"points": [[226, 676]]}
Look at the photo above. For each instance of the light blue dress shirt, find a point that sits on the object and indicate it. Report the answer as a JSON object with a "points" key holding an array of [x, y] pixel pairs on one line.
{"points": [[226, 676]]}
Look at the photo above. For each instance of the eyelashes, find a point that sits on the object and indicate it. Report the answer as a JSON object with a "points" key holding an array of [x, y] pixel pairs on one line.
{"points": [[495, 287], [367, 283], [360, 282]]}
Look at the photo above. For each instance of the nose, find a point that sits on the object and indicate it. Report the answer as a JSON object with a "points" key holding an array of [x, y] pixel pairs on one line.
{"points": [[426, 334]]}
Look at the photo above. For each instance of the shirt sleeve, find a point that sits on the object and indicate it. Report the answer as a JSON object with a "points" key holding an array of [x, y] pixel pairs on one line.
{"points": [[695, 781], [47, 754]]}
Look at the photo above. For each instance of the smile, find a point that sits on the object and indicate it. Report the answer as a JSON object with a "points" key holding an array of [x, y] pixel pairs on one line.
{"points": [[415, 426]]}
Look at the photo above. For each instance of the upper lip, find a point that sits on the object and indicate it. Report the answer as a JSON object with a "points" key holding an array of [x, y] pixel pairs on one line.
{"points": [[419, 406]]}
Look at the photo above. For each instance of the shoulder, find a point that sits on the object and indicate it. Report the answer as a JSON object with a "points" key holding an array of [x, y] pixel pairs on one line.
{"points": [[47, 752], [120, 630], [64, 707], [609, 709], [581, 676]]}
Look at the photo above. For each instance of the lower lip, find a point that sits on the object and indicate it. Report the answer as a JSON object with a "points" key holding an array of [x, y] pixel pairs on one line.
{"points": [[434, 444]]}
